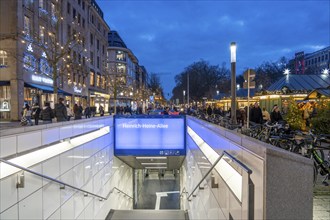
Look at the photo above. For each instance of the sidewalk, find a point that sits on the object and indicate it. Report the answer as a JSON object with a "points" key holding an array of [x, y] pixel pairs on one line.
{"points": [[321, 200]]}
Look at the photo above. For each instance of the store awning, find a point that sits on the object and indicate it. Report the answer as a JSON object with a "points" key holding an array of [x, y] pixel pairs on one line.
{"points": [[46, 89], [4, 83]]}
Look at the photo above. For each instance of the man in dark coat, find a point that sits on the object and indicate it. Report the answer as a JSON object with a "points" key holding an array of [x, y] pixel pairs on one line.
{"points": [[60, 111], [256, 114], [47, 114]]}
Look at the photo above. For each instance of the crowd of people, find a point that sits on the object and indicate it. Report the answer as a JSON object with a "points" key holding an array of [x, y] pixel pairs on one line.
{"points": [[60, 113]]}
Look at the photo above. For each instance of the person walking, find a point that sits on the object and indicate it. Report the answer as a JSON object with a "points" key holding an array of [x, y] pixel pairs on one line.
{"points": [[87, 112], [69, 112], [77, 112], [60, 111], [101, 110], [27, 113], [47, 114], [36, 113], [256, 114]]}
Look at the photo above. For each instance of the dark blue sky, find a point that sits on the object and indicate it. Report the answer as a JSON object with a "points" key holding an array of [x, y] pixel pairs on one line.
{"points": [[167, 36]]}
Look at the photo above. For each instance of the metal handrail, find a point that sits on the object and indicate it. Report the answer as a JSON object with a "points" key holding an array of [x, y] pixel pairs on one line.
{"points": [[239, 163], [115, 188], [62, 183], [208, 172]]}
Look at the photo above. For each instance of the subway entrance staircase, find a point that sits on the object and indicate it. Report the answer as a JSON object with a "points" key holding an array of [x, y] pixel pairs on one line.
{"points": [[147, 214]]}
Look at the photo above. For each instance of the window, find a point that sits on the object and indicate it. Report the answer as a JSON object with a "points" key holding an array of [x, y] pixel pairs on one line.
{"points": [[44, 67], [79, 79], [98, 26], [326, 56], [92, 58], [84, 60], [83, 81], [83, 41], [83, 23], [120, 55], [3, 58], [92, 39], [83, 5], [79, 2], [98, 80], [29, 62], [79, 58], [103, 49], [103, 82], [73, 13], [97, 44], [319, 59], [79, 18], [92, 19], [69, 8], [27, 30], [120, 68], [92, 78], [69, 31], [98, 62], [41, 4], [42, 34], [322, 57]]}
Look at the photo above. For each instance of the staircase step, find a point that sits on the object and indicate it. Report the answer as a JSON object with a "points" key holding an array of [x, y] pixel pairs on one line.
{"points": [[146, 214]]}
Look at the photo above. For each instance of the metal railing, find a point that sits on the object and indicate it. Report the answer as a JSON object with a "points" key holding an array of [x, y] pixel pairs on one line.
{"points": [[62, 184], [204, 177], [233, 159]]}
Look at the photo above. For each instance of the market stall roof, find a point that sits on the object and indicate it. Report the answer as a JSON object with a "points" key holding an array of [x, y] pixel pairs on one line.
{"points": [[318, 93], [301, 82]]}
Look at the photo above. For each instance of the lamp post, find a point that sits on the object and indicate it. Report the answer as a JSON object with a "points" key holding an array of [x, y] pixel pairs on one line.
{"points": [[188, 89], [233, 81], [184, 95]]}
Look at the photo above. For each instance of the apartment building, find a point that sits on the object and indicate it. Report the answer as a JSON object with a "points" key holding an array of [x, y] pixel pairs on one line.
{"points": [[47, 46]]}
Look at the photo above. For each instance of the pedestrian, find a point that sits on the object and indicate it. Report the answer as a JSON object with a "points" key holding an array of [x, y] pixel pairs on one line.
{"points": [[209, 110], [27, 113], [276, 116], [69, 112], [265, 115], [47, 114], [60, 111], [256, 114], [36, 113], [77, 112], [101, 110], [87, 112]]}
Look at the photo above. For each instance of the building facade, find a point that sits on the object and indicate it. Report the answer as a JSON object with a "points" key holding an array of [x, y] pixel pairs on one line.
{"points": [[51, 45], [128, 80]]}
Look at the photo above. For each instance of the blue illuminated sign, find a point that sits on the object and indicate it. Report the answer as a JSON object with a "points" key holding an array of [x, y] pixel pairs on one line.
{"points": [[152, 135]]}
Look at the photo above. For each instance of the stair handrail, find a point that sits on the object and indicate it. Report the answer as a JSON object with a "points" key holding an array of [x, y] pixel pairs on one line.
{"points": [[119, 190], [63, 183], [204, 177]]}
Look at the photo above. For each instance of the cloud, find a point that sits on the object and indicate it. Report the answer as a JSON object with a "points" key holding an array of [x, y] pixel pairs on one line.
{"points": [[148, 37], [227, 20]]}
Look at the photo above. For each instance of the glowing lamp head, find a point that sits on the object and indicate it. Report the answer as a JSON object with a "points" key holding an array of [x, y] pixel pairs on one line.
{"points": [[286, 72], [233, 52]]}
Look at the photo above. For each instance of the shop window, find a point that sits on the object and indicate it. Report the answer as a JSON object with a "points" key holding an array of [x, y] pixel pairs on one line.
{"points": [[92, 78], [98, 80], [120, 55], [3, 59]]}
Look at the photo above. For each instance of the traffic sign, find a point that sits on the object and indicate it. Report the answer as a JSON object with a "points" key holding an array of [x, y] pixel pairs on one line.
{"points": [[249, 73], [252, 85]]}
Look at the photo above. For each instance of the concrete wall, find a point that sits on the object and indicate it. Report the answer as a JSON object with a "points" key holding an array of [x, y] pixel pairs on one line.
{"points": [[90, 166], [281, 185]]}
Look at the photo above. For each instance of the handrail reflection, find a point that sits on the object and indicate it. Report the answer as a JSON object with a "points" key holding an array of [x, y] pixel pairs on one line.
{"points": [[86, 193]]}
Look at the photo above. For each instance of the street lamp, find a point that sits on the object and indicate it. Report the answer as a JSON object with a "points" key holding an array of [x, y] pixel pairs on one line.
{"points": [[325, 71], [184, 95], [233, 81], [286, 72], [238, 86]]}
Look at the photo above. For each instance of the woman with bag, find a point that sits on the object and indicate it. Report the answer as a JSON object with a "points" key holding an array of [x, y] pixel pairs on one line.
{"points": [[27, 113]]}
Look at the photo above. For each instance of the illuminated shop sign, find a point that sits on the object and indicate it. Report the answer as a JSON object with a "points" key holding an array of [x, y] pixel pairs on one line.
{"points": [[4, 106], [42, 79], [149, 136], [77, 90]]}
